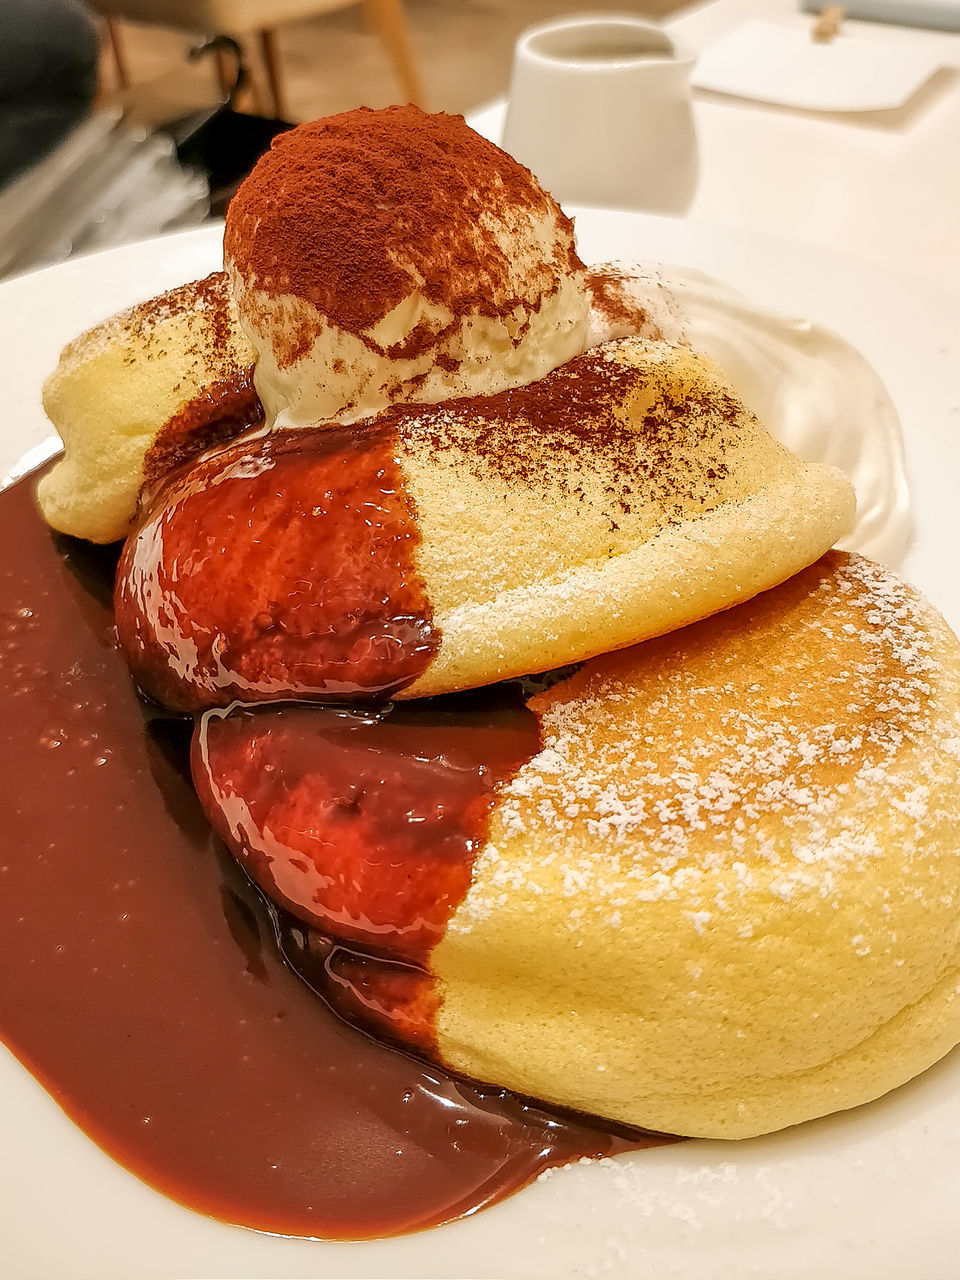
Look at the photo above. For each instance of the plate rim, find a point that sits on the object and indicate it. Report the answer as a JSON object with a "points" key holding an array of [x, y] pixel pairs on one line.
{"points": [[568, 1199]]}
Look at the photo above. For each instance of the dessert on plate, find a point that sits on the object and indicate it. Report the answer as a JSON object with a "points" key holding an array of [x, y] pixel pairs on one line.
{"points": [[622, 495], [716, 886], [406, 447]]}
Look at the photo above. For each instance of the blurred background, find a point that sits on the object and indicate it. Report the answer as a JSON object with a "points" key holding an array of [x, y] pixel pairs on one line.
{"points": [[346, 54], [120, 119]]}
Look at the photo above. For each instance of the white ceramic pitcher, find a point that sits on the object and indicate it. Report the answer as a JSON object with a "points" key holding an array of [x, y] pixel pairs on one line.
{"points": [[600, 110]]}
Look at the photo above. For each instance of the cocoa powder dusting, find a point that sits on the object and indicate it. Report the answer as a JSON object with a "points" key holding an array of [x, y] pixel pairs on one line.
{"points": [[610, 296], [354, 212], [211, 296], [556, 429], [221, 412]]}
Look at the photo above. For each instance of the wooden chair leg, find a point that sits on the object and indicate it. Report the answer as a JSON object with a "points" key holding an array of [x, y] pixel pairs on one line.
{"points": [[392, 24], [271, 65], [115, 41], [223, 68], [252, 97]]}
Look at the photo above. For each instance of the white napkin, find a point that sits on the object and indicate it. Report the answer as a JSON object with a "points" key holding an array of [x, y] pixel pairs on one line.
{"points": [[783, 65]]}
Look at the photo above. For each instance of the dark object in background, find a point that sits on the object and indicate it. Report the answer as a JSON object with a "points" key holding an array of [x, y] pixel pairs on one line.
{"points": [[106, 184], [221, 142], [49, 54], [110, 181], [939, 15]]}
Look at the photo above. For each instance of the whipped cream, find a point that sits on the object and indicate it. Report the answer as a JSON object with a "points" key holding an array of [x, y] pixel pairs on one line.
{"points": [[811, 389]]}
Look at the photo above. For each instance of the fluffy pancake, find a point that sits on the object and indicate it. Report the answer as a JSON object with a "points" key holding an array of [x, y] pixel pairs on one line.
{"points": [[815, 393], [725, 896], [169, 373], [711, 886], [627, 493]]}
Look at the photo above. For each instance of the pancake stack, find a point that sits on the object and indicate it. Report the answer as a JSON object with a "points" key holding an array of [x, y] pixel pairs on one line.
{"points": [[705, 884], [723, 898], [625, 494], [717, 896]]}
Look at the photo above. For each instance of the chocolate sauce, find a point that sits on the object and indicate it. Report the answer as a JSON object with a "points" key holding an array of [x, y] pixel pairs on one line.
{"points": [[143, 981], [281, 567], [221, 411], [364, 825]]}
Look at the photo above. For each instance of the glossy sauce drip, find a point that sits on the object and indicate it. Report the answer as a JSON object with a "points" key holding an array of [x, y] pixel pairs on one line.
{"points": [[364, 826], [280, 567], [143, 984], [220, 412]]}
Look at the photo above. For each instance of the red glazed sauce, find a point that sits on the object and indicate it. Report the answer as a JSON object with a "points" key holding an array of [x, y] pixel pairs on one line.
{"points": [[275, 568], [364, 825], [144, 984]]}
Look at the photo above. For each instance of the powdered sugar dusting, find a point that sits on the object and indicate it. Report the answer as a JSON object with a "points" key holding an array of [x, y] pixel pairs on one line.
{"points": [[670, 769]]}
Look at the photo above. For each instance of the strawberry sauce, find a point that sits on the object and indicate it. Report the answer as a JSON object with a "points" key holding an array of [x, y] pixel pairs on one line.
{"points": [[144, 978]]}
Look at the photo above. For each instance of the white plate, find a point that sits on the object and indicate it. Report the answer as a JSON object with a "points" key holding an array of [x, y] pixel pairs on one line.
{"points": [[869, 1195]]}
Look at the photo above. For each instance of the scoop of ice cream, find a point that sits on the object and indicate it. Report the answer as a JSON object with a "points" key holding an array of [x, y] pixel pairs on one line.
{"points": [[382, 256]]}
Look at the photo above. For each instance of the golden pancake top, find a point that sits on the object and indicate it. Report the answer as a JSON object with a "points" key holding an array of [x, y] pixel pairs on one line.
{"points": [[723, 897], [120, 385], [627, 493], [210, 342], [746, 732]]}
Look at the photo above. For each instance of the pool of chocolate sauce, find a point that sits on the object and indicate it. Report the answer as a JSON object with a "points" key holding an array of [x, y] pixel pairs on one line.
{"points": [[144, 982]]}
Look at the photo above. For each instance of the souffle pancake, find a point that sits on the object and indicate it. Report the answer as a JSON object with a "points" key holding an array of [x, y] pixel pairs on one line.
{"points": [[171, 375], [708, 885], [437, 548]]}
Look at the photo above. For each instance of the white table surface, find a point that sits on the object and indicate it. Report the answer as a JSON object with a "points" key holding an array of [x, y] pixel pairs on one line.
{"points": [[882, 187]]}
